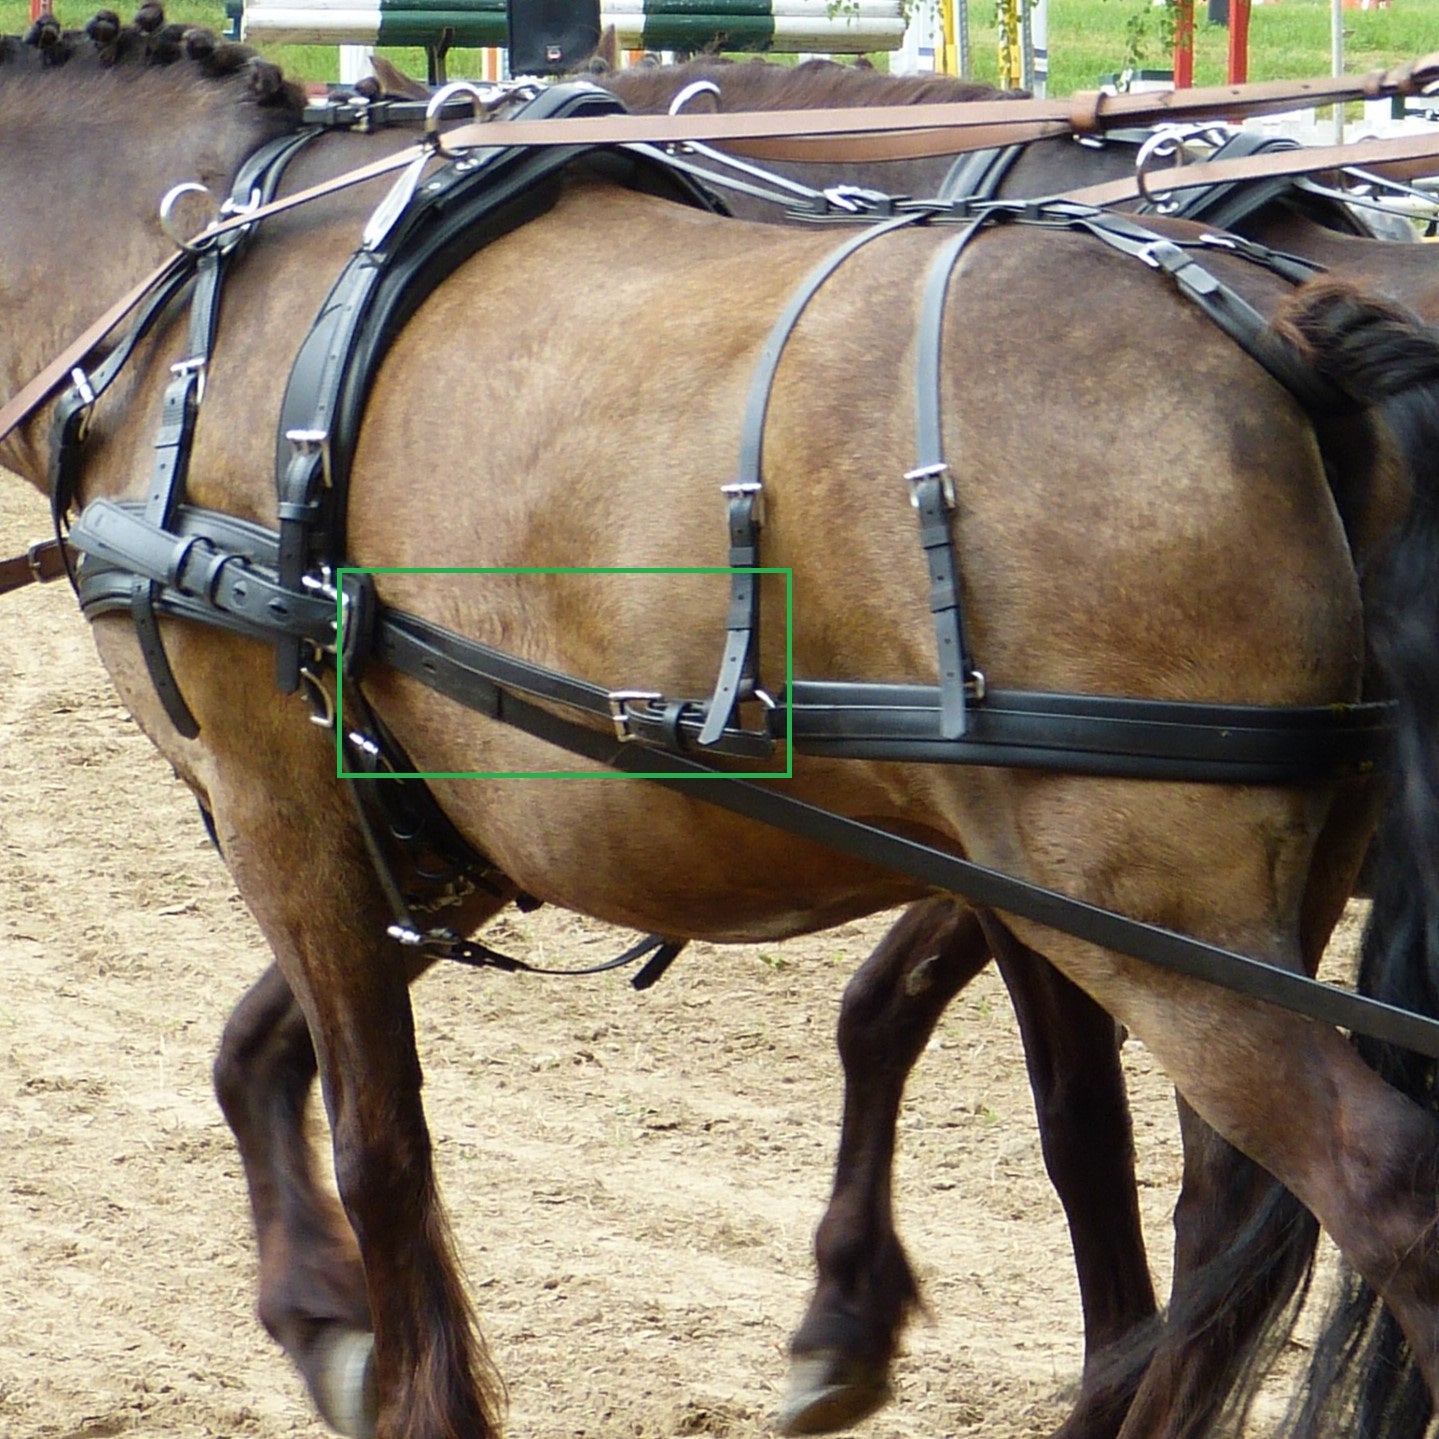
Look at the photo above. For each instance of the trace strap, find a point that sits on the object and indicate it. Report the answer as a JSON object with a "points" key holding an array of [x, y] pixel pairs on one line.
{"points": [[989, 888]]}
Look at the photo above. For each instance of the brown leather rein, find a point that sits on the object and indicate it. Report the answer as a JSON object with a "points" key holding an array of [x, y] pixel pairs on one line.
{"points": [[834, 135]]}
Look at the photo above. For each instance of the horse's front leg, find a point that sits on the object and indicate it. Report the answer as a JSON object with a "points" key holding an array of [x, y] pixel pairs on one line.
{"points": [[309, 885], [312, 1283], [865, 1290]]}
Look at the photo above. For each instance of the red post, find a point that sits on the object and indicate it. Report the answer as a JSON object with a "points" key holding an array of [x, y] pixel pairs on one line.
{"points": [[41, 7], [1238, 41], [1183, 44]]}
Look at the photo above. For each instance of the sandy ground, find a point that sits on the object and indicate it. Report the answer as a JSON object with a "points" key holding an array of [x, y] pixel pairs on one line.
{"points": [[634, 1179]]}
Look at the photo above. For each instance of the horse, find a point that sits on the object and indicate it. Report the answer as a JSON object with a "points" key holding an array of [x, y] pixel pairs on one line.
{"points": [[269, 781], [865, 1288]]}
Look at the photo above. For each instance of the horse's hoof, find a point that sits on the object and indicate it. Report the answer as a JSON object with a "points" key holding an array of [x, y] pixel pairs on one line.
{"points": [[344, 1386], [830, 1391]]}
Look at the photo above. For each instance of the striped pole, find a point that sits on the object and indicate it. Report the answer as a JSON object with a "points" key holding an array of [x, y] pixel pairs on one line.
{"points": [[787, 26]]}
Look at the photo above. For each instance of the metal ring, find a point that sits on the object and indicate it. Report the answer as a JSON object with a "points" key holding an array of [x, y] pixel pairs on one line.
{"points": [[443, 95], [691, 91], [167, 215], [1166, 141]]}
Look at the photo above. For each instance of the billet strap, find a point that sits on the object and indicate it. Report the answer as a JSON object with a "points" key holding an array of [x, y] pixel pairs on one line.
{"points": [[932, 491], [173, 445], [739, 666]]}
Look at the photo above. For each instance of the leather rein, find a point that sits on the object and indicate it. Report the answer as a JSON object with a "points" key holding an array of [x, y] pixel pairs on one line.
{"points": [[146, 549]]}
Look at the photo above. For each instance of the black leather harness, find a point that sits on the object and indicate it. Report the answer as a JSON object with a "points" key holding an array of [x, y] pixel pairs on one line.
{"points": [[280, 588]]}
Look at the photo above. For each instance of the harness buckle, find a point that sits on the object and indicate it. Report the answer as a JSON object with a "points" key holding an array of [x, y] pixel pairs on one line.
{"points": [[939, 471], [197, 365], [618, 700], [34, 561], [751, 488], [312, 442], [322, 703]]}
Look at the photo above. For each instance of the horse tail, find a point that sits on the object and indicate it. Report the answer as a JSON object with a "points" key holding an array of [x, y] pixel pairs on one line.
{"points": [[1363, 1380]]}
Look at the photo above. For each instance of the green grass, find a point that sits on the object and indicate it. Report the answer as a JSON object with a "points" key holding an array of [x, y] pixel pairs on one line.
{"points": [[1087, 38]]}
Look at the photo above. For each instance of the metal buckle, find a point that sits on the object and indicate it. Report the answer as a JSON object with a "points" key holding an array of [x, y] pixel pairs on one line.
{"points": [[197, 365], [940, 471], [32, 560], [312, 442], [322, 704], [618, 699], [751, 488], [974, 686]]}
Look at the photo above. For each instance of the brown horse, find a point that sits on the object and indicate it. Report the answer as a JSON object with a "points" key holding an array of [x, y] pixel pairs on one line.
{"points": [[865, 1287], [511, 337]]}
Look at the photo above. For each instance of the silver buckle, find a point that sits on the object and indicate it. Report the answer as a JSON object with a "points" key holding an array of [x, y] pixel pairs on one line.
{"points": [[196, 365], [928, 472], [751, 488], [618, 699], [312, 442]]}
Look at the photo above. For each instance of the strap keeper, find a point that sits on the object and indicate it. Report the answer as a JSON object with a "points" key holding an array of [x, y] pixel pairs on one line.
{"points": [[1084, 111], [81, 381], [35, 561]]}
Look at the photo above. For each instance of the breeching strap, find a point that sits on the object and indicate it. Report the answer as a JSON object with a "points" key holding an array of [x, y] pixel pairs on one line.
{"points": [[738, 673]]}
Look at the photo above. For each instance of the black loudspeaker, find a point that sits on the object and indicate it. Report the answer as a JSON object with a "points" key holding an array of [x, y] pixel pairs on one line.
{"points": [[551, 37]]}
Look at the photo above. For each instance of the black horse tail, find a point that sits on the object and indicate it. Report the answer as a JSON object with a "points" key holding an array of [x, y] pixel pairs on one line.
{"points": [[1363, 1381]]}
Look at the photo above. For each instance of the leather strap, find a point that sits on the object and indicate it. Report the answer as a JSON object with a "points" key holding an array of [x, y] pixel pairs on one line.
{"points": [[989, 888], [894, 132], [738, 673], [38, 564], [1306, 160], [932, 490]]}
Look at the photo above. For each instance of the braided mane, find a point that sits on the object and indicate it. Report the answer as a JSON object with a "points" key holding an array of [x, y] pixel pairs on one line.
{"points": [[106, 43]]}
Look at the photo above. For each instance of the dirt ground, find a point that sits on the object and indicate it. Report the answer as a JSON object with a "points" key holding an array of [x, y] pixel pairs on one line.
{"points": [[634, 1179]]}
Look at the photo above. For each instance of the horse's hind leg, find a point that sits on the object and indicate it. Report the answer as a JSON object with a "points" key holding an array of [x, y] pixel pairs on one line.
{"points": [[1242, 1243], [312, 1283], [1291, 1094]]}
